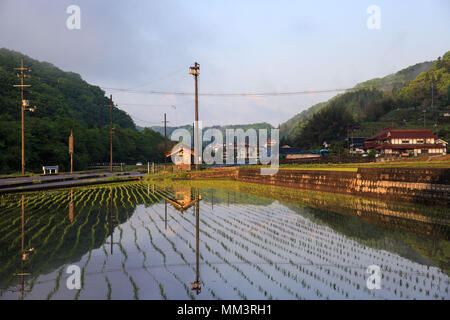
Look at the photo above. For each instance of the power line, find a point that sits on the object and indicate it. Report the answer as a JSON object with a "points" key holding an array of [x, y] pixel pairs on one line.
{"points": [[240, 94], [225, 94], [146, 105]]}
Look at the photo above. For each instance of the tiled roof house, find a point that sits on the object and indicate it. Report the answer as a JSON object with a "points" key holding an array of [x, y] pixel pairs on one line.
{"points": [[398, 142]]}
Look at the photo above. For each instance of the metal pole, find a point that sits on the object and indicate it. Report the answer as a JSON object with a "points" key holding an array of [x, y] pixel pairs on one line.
{"points": [[23, 122], [110, 135]]}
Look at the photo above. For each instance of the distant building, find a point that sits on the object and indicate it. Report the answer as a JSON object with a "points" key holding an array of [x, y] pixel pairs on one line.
{"points": [[444, 115], [182, 157], [296, 153], [393, 142], [357, 145], [239, 152]]}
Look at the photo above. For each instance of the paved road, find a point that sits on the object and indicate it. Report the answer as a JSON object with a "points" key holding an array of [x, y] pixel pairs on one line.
{"points": [[61, 180], [49, 178]]}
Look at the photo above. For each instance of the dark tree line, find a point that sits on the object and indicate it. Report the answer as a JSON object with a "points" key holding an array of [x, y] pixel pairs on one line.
{"points": [[330, 122], [64, 102]]}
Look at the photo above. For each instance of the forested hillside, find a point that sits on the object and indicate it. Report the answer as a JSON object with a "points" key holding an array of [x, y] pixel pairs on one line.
{"points": [[64, 101], [396, 80], [290, 128], [376, 104], [331, 122]]}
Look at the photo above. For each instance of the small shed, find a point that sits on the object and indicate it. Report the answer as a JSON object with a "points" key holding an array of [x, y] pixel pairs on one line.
{"points": [[49, 169], [182, 157]]}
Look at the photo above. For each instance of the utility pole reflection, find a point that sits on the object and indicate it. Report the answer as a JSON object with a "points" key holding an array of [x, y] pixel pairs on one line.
{"points": [[165, 214], [24, 256], [71, 206], [197, 285], [111, 222]]}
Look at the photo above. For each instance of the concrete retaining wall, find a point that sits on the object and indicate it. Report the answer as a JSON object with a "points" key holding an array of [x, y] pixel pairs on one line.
{"points": [[405, 184], [428, 186]]}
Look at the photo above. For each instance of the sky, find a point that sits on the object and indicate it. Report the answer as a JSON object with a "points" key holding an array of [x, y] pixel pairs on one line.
{"points": [[242, 46]]}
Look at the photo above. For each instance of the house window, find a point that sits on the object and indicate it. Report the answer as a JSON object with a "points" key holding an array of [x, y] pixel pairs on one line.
{"points": [[420, 141], [405, 141]]}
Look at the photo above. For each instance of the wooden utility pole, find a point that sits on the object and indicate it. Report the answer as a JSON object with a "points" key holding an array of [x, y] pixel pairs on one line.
{"points": [[24, 106], [71, 150], [195, 71], [165, 138], [110, 134]]}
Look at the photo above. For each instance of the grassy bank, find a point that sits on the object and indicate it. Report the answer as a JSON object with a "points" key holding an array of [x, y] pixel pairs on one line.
{"points": [[420, 162]]}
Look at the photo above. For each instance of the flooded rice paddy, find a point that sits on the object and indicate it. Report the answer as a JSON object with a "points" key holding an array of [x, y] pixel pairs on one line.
{"points": [[144, 241]]}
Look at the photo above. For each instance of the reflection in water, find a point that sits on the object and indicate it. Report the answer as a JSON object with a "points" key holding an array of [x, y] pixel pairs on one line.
{"points": [[197, 285], [24, 255], [252, 247], [165, 214], [183, 198], [111, 222], [71, 206]]}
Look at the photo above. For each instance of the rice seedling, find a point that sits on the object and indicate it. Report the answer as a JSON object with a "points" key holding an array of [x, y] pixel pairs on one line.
{"points": [[108, 283], [161, 290], [55, 289], [135, 288]]}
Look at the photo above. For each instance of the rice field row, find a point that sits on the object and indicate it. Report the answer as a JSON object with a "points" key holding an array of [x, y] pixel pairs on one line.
{"points": [[130, 242]]}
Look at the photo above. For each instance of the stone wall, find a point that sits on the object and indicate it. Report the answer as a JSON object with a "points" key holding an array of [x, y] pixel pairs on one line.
{"points": [[318, 180], [428, 186]]}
